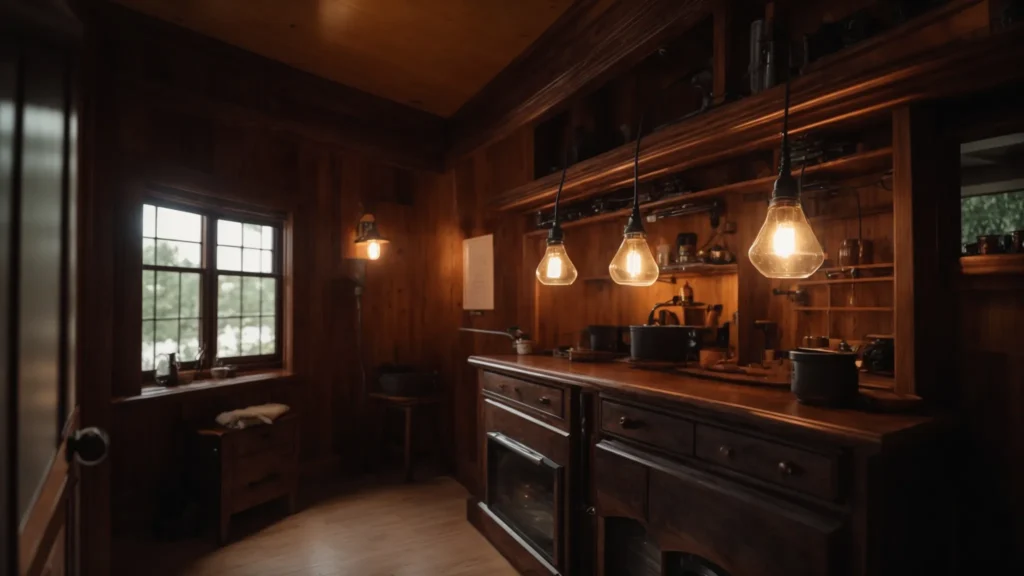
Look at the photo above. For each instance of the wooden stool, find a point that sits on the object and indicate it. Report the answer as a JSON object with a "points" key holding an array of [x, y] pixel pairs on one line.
{"points": [[407, 405]]}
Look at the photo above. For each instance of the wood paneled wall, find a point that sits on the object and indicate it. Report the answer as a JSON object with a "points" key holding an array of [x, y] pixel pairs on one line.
{"points": [[476, 178], [411, 296], [989, 404]]}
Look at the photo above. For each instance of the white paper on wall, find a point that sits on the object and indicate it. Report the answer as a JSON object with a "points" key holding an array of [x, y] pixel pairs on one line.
{"points": [[478, 273]]}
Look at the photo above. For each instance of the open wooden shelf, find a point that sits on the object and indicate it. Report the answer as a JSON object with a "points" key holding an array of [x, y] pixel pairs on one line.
{"points": [[670, 275], [992, 264], [843, 308], [696, 270], [853, 164], [844, 281], [882, 265], [860, 86]]}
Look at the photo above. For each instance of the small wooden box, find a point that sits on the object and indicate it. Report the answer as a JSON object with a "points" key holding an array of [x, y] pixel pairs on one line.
{"points": [[240, 469]]}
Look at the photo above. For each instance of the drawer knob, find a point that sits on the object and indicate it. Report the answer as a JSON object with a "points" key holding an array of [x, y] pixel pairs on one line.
{"points": [[591, 510], [544, 400], [785, 468], [725, 451], [627, 422], [502, 386]]}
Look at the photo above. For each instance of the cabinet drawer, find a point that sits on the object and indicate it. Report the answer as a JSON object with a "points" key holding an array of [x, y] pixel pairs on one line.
{"points": [[547, 399], [259, 491], [277, 437], [658, 430], [806, 471], [259, 468]]}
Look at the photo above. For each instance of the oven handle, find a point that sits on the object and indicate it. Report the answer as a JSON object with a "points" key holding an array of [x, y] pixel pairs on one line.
{"points": [[535, 457]]}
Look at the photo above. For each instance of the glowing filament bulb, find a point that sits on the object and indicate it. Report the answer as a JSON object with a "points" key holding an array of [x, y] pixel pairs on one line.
{"points": [[784, 241], [554, 267], [633, 261], [373, 250]]}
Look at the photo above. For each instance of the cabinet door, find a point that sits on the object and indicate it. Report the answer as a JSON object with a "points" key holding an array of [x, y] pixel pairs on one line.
{"points": [[743, 531]]}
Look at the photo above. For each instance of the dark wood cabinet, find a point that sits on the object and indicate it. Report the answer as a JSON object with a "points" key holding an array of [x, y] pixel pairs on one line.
{"points": [[664, 474]]}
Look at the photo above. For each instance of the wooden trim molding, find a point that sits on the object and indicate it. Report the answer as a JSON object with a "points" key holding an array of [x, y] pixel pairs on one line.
{"points": [[591, 42], [925, 184]]}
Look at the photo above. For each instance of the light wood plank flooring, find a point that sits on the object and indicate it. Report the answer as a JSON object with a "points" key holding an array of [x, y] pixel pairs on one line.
{"points": [[403, 530]]}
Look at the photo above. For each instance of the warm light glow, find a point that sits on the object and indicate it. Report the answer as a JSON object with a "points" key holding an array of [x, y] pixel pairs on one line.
{"points": [[633, 264], [555, 268], [786, 246], [784, 241], [373, 250]]}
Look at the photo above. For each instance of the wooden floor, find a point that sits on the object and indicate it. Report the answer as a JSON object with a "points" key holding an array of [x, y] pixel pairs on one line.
{"points": [[410, 529]]}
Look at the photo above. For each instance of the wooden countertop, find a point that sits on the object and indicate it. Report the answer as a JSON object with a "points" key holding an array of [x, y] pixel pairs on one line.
{"points": [[750, 401]]}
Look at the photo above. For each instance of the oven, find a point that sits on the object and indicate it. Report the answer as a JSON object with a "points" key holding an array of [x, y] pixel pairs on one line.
{"points": [[524, 489]]}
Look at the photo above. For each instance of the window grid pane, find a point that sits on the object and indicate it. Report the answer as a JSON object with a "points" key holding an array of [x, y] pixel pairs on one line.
{"points": [[250, 329], [246, 313], [245, 247]]}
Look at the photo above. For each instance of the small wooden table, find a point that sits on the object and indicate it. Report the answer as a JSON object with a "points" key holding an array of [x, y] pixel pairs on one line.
{"points": [[240, 469], [407, 404]]}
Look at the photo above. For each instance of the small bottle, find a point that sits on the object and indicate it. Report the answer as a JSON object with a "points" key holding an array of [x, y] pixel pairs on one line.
{"points": [[687, 293], [167, 372]]}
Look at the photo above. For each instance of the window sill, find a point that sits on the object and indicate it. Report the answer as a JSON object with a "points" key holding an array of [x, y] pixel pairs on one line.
{"points": [[203, 387], [992, 264]]}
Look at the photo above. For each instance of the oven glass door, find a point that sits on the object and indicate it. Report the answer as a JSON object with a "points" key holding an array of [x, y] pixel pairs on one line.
{"points": [[523, 489]]}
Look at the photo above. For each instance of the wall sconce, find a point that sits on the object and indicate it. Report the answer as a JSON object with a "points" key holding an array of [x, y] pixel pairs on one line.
{"points": [[368, 235]]}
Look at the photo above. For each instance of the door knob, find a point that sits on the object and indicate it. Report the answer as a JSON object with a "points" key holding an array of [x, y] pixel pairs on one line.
{"points": [[89, 446]]}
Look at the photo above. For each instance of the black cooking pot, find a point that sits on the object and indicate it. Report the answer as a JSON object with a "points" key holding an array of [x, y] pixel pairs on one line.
{"points": [[607, 338], [664, 343], [824, 378]]}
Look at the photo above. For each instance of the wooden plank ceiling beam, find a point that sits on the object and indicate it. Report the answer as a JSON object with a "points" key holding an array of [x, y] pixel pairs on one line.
{"points": [[591, 42]]}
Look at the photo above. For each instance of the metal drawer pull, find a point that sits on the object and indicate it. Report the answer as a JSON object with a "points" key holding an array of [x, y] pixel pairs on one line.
{"points": [[531, 455], [725, 451], [785, 468], [627, 422], [544, 400]]}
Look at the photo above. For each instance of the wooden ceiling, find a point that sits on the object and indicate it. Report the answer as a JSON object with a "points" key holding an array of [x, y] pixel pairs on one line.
{"points": [[430, 54]]}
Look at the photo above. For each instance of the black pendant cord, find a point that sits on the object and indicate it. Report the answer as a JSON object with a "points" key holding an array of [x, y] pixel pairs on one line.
{"points": [[785, 184], [555, 233], [635, 223]]}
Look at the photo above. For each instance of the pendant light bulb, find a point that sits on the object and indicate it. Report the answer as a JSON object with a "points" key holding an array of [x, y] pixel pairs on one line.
{"points": [[373, 250], [634, 264], [786, 246], [555, 268]]}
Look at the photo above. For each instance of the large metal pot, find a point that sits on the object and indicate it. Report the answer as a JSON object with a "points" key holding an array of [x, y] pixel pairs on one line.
{"points": [[664, 343]]}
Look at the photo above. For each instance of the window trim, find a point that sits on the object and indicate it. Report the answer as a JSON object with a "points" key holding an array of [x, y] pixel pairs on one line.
{"points": [[209, 275]]}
